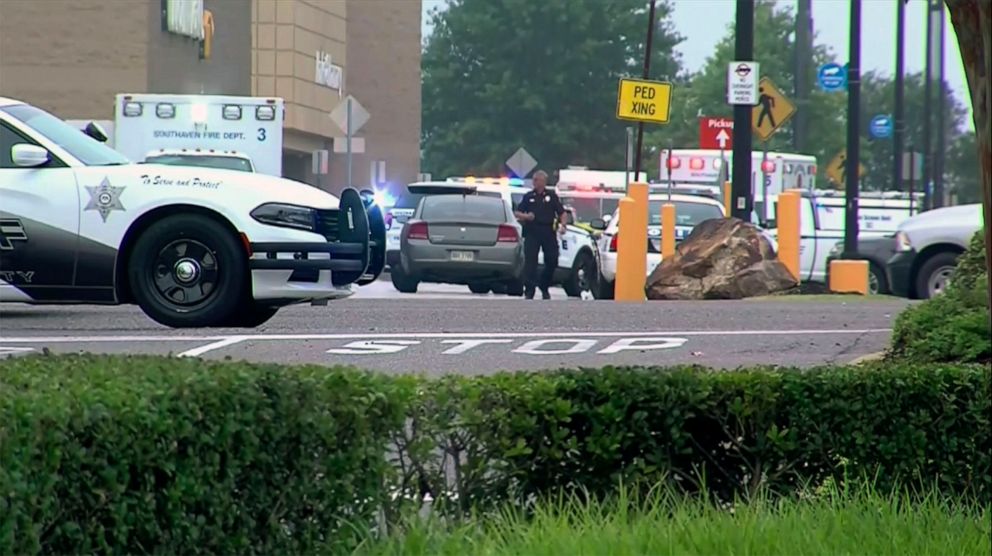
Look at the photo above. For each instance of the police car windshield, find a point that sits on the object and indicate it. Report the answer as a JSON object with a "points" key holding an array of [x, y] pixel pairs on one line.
{"points": [[87, 150], [222, 162], [686, 213]]}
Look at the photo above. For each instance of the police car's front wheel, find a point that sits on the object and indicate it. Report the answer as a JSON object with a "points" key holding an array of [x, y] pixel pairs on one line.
{"points": [[188, 271]]}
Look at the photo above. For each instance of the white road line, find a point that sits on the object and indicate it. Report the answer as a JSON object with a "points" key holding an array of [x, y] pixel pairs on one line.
{"points": [[432, 335], [196, 352]]}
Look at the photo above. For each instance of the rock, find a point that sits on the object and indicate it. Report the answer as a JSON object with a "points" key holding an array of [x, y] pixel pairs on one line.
{"points": [[723, 258]]}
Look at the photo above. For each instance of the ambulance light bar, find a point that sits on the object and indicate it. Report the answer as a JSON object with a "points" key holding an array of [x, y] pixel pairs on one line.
{"points": [[695, 163]]}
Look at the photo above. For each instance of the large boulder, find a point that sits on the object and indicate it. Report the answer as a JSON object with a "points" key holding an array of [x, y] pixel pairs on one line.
{"points": [[723, 258]]}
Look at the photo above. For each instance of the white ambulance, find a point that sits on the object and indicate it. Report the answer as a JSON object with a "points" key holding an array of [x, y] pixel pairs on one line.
{"points": [[202, 125], [771, 173]]}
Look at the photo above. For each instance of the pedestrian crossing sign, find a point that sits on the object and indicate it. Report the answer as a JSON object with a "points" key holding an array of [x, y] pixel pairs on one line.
{"points": [[837, 170], [772, 112]]}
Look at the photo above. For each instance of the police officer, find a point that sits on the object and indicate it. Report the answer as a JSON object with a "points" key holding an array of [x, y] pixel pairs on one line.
{"points": [[538, 212]]}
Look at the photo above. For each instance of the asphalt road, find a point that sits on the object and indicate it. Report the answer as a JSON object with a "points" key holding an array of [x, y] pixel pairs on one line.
{"points": [[446, 329]]}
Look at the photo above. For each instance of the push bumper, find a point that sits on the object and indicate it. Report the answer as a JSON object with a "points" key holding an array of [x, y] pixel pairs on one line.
{"points": [[354, 253], [898, 272]]}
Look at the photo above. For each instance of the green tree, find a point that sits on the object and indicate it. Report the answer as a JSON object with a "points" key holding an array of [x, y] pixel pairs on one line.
{"points": [[878, 97], [962, 176], [774, 46], [498, 75]]}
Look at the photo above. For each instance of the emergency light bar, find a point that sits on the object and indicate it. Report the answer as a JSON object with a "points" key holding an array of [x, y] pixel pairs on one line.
{"points": [[492, 181]]}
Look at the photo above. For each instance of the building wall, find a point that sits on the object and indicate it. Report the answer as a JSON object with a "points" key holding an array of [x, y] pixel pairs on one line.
{"points": [[71, 57], [287, 35], [384, 44], [174, 65]]}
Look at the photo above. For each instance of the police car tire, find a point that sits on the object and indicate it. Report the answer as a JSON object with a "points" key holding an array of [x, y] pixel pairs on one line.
{"points": [[222, 303], [402, 282], [252, 316], [515, 288], [478, 288], [572, 286]]}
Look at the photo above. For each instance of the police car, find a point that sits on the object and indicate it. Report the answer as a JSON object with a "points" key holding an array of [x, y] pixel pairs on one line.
{"points": [[80, 223], [690, 210], [576, 249]]}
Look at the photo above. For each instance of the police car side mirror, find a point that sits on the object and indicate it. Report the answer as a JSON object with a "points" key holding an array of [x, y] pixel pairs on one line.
{"points": [[29, 156], [96, 131], [598, 224]]}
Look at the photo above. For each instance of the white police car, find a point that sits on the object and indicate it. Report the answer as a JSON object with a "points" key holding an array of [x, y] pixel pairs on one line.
{"points": [[690, 210], [191, 246]]}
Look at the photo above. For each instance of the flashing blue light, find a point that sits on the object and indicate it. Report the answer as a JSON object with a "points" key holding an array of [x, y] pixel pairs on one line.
{"points": [[382, 198], [516, 181]]}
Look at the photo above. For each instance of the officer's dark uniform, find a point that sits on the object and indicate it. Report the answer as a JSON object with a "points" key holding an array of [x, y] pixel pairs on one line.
{"points": [[540, 234]]}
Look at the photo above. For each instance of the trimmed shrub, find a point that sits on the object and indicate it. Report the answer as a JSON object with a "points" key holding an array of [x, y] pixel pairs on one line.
{"points": [[970, 267], [141, 454], [516, 436], [953, 326], [144, 454]]}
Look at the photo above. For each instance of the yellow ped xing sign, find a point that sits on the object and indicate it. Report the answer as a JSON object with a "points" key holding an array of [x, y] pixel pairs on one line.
{"points": [[837, 170], [773, 110], [640, 100]]}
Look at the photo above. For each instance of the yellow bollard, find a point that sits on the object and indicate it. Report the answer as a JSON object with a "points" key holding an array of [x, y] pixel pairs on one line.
{"points": [[632, 245], [727, 191], [667, 230], [848, 276], [787, 217]]}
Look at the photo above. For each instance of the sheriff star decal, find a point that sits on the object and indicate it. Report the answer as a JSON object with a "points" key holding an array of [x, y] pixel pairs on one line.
{"points": [[105, 198]]}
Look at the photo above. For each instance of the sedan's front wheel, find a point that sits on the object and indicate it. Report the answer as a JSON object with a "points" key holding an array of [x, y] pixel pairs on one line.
{"points": [[188, 271]]}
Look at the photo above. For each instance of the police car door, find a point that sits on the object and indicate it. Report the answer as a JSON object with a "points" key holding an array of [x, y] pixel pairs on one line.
{"points": [[39, 221]]}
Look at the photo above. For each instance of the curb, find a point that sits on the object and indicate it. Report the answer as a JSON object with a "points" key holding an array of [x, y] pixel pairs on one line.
{"points": [[877, 356]]}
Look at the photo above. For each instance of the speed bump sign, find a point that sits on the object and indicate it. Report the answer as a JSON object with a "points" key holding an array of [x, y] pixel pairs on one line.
{"points": [[640, 100]]}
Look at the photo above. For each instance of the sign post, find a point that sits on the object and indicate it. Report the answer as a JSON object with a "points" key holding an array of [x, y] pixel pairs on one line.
{"points": [[350, 116], [912, 170]]}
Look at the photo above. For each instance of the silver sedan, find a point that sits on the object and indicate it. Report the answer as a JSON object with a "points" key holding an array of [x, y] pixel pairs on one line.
{"points": [[468, 239]]}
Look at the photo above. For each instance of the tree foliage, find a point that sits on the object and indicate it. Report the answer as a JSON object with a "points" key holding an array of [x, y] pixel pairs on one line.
{"points": [[498, 75]]}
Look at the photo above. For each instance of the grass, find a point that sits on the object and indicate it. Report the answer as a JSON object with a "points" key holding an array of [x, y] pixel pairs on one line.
{"points": [[832, 524]]}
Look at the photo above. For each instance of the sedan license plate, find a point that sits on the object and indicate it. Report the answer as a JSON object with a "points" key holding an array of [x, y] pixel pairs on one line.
{"points": [[463, 256]]}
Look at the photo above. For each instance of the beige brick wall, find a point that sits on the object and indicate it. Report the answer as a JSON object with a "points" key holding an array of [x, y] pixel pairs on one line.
{"points": [[286, 35], [384, 62], [71, 56]]}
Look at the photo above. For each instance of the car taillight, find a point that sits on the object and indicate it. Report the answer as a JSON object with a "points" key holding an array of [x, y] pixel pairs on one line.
{"points": [[389, 220], [418, 230], [507, 234], [613, 242]]}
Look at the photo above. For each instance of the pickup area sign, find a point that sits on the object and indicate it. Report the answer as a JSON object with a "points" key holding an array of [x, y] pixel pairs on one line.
{"points": [[716, 133]]}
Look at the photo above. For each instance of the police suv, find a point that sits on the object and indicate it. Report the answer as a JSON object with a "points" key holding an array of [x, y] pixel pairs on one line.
{"points": [[80, 223]]}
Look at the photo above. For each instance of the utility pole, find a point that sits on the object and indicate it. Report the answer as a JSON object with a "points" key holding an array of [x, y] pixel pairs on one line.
{"points": [[899, 125], [938, 179], [743, 51], [802, 85], [647, 69], [853, 133], [927, 114]]}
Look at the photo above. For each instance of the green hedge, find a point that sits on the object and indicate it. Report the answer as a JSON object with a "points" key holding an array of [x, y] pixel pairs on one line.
{"points": [[954, 326], [134, 455]]}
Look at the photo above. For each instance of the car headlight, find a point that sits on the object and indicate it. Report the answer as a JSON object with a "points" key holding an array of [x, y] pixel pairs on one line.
{"points": [[287, 216], [902, 242]]}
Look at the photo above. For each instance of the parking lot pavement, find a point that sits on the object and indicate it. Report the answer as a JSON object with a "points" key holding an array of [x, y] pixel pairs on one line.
{"points": [[383, 289], [446, 331]]}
